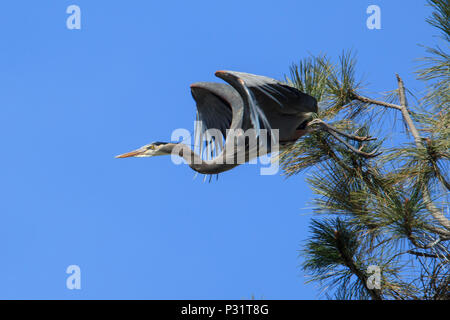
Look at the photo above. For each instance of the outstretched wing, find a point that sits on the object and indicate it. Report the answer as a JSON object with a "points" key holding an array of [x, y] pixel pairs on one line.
{"points": [[216, 105], [263, 96]]}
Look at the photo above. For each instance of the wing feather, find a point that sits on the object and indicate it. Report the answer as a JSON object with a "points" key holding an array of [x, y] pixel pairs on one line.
{"points": [[215, 106]]}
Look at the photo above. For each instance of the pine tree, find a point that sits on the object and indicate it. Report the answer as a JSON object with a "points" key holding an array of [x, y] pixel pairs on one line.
{"points": [[387, 215]]}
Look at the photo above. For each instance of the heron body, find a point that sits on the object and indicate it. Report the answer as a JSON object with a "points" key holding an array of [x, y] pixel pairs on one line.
{"points": [[246, 102]]}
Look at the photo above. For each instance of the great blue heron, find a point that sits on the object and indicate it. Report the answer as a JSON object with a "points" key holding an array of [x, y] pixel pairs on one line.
{"points": [[248, 101]]}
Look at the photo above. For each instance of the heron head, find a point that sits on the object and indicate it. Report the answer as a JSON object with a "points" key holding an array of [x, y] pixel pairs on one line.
{"points": [[149, 150]]}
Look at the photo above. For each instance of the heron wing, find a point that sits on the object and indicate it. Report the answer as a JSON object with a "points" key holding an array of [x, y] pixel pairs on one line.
{"points": [[216, 104], [263, 95]]}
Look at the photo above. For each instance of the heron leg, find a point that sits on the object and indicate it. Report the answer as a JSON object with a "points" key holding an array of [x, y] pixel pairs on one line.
{"points": [[347, 135], [322, 125]]}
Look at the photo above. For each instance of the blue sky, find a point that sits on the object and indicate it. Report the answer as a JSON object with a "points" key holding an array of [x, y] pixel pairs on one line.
{"points": [[70, 100]]}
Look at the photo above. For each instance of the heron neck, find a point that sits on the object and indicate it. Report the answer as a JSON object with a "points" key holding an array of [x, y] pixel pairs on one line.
{"points": [[197, 163], [185, 152]]}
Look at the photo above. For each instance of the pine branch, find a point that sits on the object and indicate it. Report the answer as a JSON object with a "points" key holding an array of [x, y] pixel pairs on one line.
{"points": [[350, 263], [437, 215]]}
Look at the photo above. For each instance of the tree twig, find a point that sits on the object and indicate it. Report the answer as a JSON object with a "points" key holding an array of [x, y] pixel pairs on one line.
{"points": [[422, 254], [356, 96]]}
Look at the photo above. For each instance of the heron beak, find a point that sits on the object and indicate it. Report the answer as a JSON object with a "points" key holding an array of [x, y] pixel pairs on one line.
{"points": [[130, 154]]}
